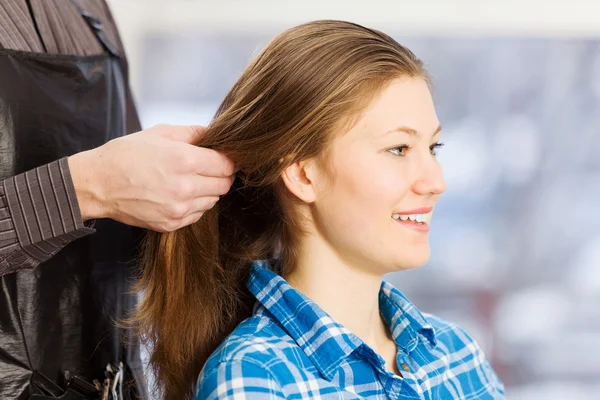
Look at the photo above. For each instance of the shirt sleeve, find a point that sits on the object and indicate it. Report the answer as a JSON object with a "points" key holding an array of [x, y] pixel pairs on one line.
{"points": [[39, 215], [53, 26], [238, 379]]}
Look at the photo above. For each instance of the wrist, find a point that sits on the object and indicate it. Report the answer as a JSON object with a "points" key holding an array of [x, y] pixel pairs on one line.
{"points": [[88, 186]]}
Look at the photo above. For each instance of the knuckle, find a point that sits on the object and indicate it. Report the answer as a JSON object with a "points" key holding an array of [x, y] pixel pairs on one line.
{"points": [[205, 204], [189, 161], [184, 191], [177, 190], [184, 162], [176, 211], [192, 164], [202, 205]]}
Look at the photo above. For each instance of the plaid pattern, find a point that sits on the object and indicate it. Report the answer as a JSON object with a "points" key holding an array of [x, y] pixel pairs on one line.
{"points": [[291, 349]]}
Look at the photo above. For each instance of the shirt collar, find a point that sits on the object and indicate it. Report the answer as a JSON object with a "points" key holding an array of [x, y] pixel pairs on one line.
{"points": [[325, 341], [406, 322]]}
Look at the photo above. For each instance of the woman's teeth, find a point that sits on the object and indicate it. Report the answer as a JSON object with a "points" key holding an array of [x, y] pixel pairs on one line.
{"points": [[412, 217]]}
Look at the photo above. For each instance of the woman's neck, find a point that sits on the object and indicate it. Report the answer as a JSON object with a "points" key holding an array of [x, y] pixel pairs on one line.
{"points": [[347, 292]]}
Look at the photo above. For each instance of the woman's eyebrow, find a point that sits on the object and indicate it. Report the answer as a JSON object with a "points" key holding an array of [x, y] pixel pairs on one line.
{"points": [[412, 132]]}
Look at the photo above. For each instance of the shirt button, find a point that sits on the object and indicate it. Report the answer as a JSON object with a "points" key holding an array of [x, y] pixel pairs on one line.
{"points": [[405, 367]]}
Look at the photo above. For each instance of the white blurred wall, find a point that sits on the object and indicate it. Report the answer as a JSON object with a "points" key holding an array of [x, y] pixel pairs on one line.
{"points": [[572, 18]]}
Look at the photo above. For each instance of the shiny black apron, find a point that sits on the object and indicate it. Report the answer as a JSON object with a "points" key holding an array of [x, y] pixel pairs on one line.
{"points": [[58, 320]]}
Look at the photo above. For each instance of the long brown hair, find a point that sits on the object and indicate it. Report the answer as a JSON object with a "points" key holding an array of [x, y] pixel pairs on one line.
{"points": [[308, 84]]}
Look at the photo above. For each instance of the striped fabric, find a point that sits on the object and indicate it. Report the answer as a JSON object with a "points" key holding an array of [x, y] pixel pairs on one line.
{"points": [[39, 213], [291, 349], [62, 30]]}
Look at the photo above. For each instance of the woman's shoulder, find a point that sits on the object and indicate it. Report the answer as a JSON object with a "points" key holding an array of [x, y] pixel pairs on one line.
{"points": [[451, 334], [256, 342], [459, 348], [258, 353], [254, 338]]}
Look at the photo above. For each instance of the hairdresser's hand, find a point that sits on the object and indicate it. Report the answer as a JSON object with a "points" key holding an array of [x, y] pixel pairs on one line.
{"points": [[154, 179]]}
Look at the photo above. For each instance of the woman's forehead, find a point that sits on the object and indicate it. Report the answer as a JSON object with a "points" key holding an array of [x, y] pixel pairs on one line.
{"points": [[404, 106]]}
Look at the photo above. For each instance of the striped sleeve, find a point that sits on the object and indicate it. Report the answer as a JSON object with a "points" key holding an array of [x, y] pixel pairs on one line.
{"points": [[39, 215], [54, 26], [244, 379]]}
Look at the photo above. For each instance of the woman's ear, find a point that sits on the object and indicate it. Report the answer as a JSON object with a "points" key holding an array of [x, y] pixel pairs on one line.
{"points": [[299, 178]]}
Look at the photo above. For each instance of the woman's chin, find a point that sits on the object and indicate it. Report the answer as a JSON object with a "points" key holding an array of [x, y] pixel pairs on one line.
{"points": [[415, 259]]}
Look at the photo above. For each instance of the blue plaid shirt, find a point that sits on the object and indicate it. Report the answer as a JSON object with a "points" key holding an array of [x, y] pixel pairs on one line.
{"points": [[291, 349]]}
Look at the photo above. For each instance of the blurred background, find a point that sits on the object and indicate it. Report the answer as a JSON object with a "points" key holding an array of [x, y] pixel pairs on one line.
{"points": [[516, 238]]}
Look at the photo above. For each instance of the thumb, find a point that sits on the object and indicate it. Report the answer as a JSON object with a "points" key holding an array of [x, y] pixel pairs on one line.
{"points": [[182, 133]]}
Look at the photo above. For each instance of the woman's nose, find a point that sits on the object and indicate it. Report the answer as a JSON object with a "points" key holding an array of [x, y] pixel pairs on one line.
{"points": [[430, 178]]}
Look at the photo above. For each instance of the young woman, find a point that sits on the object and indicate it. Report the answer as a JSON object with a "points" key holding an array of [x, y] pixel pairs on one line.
{"points": [[278, 292]]}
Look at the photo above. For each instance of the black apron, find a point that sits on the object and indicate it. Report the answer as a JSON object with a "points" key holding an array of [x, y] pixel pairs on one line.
{"points": [[59, 320]]}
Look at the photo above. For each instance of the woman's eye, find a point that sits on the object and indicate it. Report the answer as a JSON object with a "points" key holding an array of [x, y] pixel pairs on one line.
{"points": [[433, 148], [398, 151]]}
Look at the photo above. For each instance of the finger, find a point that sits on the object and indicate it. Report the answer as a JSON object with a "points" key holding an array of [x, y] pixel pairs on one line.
{"points": [[182, 133], [197, 132], [210, 186], [208, 162]]}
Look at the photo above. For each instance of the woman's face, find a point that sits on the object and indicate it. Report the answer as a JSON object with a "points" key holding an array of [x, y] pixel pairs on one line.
{"points": [[374, 201]]}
